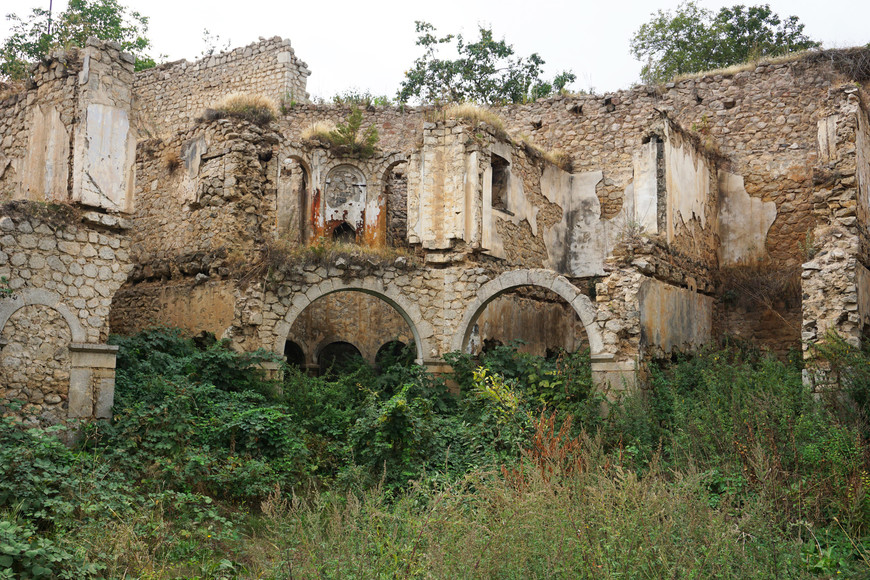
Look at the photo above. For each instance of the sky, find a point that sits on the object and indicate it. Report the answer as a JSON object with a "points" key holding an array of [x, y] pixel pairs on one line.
{"points": [[367, 45]]}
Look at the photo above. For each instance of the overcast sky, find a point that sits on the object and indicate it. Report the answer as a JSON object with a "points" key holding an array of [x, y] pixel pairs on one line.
{"points": [[368, 45]]}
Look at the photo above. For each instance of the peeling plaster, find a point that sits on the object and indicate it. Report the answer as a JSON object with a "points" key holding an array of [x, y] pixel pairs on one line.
{"points": [[688, 186], [46, 168], [743, 221]]}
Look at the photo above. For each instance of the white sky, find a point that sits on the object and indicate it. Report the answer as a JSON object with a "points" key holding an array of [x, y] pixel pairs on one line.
{"points": [[368, 45]]}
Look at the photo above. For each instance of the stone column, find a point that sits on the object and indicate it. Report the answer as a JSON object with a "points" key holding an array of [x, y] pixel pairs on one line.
{"points": [[91, 380]]}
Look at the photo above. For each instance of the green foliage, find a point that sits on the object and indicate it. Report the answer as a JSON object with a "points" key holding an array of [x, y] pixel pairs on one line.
{"points": [[486, 72], [694, 39], [727, 466], [30, 39], [364, 99], [347, 136]]}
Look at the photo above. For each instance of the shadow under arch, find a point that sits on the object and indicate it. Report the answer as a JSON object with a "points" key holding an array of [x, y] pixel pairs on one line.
{"points": [[420, 329], [40, 297], [548, 279]]}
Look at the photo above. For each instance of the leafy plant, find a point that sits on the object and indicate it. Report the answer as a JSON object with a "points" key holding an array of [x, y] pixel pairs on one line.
{"points": [[693, 39], [32, 39], [485, 72]]}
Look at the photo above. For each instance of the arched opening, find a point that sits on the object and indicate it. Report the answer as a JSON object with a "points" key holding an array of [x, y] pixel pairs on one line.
{"points": [[299, 315], [339, 357], [294, 354], [294, 201], [344, 234], [392, 353], [544, 279], [362, 320], [35, 363], [535, 319]]}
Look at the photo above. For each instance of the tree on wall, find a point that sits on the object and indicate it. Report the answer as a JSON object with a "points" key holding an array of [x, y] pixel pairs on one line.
{"points": [[34, 37], [487, 71], [694, 39]]}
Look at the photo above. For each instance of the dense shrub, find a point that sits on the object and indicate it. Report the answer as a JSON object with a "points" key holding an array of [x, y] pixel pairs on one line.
{"points": [[727, 465]]}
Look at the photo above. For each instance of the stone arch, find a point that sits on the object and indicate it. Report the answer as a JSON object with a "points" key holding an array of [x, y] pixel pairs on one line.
{"points": [[420, 329], [548, 279], [332, 339], [40, 297]]}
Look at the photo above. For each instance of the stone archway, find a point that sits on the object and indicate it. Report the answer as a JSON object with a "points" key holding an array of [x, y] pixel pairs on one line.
{"points": [[420, 329], [542, 278], [40, 297]]}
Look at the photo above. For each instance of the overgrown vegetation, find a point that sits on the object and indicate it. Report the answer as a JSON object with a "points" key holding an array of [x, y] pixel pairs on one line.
{"points": [[730, 467], [486, 71], [282, 255], [255, 109], [33, 38], [693, 39], [346, 137]]}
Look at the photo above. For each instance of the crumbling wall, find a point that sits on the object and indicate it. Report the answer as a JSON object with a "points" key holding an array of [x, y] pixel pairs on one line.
{"points": [[171, 96], [208, 191], [764, 120]]}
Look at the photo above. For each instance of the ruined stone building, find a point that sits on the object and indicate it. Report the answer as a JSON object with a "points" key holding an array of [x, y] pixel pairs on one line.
{"points": [[637, 224]]}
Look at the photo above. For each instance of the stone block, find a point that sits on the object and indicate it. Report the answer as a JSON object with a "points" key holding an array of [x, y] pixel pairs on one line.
{"points": [[81, 396], [93, 356], [105, 398]]}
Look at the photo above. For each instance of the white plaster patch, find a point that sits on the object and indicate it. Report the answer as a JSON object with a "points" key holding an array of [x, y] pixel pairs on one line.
{"points": [[643, 192], [579, 243], [743, 221], [688, 186], [105, 154], [46, 168]]}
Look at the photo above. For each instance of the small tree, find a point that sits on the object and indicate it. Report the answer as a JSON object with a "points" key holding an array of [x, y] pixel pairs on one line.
{"points": [[32, 39], [486, 72], [694, 39]]}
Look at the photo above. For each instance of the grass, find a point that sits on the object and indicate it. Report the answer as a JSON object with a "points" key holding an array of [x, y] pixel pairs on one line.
{"points": [[557, 157], [283, 255], [256, 109], [318, 131], [478, 115]]}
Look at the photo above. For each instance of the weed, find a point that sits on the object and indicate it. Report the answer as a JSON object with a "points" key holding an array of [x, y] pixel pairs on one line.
{"points": [[256, 109]]}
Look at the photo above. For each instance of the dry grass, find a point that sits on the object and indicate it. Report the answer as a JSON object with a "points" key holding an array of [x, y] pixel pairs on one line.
{"points": [[257, 109], [171, 159], [9, 88], [285, 255], [557, 157], [761, 285], [478, 116], [318, 131]]}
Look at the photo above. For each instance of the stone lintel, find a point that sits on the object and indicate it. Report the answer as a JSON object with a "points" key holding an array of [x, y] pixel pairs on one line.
{"points": [[92, 355]]}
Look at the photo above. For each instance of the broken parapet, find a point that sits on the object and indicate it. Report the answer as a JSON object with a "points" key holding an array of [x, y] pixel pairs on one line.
{"points": [[67, 185]]}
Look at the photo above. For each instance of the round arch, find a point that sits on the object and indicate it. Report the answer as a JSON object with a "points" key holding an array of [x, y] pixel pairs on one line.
{"points": [[545, 279], [420, 329], [40, 297]]}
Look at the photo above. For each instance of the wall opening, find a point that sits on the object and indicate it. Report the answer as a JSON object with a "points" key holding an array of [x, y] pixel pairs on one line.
{"points": [[394, 352], [396, 190], [294, 354], [534, 319], [344, 234], [501, 175], [338, 358], [363, 320]]}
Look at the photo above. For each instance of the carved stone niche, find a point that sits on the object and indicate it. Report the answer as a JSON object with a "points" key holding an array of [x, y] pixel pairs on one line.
{"points": [[345, 198]]}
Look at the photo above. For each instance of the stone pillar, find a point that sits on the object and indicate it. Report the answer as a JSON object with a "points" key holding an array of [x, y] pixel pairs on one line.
{"points": [[91, 380]]}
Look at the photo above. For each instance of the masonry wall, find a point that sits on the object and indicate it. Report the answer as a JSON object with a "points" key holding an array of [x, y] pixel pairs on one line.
{"points": [[171, 96]]}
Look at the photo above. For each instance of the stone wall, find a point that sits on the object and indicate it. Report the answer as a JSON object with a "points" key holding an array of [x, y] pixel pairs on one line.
{"points": [[206, 191], [171, 96], [764, 121]]}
